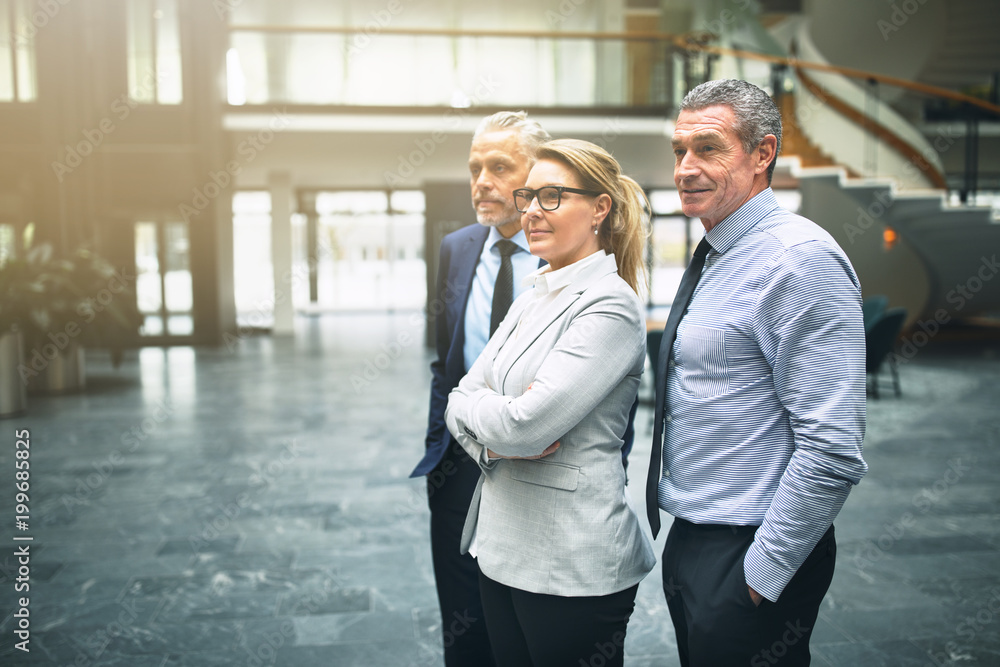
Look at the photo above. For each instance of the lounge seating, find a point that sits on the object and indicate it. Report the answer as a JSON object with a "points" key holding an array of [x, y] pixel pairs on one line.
{"points": [[872, 309], [880, 338]]}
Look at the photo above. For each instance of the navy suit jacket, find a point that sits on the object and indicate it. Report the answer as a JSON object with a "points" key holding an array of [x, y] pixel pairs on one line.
{"points": [[459, 257]]}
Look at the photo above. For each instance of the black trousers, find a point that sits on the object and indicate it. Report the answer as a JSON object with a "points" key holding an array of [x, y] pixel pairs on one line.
{"points": [[716, 621], [449, 491], [535, 630]]}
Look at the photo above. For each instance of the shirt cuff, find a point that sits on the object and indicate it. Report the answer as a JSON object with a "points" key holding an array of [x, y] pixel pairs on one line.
{"points": [[765, 575], [485, 462]]}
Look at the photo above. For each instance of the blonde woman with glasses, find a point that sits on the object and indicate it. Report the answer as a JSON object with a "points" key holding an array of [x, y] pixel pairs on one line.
{"points": [[543, 411]]}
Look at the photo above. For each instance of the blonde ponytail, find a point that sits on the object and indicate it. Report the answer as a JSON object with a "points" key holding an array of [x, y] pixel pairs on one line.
{"points": [[624, 230]]}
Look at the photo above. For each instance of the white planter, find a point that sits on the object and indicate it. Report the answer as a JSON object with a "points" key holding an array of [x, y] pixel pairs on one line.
{"points": [[13, 393], [62, 374]]}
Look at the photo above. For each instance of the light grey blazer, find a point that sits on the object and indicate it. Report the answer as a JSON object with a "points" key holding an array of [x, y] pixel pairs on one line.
{"points": [[558, 525]]}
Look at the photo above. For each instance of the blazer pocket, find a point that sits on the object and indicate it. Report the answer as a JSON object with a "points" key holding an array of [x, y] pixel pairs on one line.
{"points": [[544, 473]]}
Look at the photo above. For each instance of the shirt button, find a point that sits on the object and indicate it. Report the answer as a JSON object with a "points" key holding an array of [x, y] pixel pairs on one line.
{"points": [[669, 418], [666, 473], [671, 364]]}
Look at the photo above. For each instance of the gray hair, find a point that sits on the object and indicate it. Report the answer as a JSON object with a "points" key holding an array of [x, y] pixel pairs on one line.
{"points": [[756, 114], [532, 134]]}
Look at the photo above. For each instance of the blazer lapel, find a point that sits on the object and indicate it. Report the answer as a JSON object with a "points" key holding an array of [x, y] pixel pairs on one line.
{"points": [[541, 321], [465, 258], [465, 266]]}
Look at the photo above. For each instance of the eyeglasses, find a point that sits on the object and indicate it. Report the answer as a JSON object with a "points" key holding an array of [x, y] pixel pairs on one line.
{"points": [[549, 197]]}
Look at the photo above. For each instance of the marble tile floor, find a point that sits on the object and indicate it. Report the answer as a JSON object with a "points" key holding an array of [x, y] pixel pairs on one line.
{"points": [[249, 505]]}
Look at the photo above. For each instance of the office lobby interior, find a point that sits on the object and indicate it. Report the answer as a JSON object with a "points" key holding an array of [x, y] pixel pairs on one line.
{"points": [[248, 198]]}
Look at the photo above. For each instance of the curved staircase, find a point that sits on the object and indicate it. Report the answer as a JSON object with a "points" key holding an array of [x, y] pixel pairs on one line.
{"points": [[903, 235]]}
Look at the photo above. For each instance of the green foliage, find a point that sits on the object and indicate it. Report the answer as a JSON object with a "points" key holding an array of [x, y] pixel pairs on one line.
{"points": [[80, 294]]}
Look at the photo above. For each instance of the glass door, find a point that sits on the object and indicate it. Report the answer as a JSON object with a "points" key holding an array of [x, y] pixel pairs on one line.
{"points": [[163, 279]]}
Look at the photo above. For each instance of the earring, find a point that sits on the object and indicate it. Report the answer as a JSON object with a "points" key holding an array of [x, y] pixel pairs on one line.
{"points": [[595, 231]]}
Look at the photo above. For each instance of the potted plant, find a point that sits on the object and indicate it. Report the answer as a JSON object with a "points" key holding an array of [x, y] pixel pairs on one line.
{"points": [[16, 289], [65, 303], [13, 393]]}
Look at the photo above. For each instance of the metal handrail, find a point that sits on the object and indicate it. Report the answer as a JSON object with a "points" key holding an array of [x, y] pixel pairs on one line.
{"points": [[687, 42]]}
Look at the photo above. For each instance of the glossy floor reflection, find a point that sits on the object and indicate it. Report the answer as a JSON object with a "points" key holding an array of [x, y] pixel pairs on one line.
{"points": [[250, 506]]}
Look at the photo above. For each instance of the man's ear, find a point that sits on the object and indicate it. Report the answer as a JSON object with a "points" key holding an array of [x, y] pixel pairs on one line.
{"points": [[766, 151]]}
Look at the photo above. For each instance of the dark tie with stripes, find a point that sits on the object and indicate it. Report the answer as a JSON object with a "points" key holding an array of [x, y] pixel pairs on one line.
{"points": [[677, 308], [503, 291]]}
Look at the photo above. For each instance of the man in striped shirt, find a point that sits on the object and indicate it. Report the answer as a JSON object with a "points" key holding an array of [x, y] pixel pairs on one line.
{"points": [[763, 401]]}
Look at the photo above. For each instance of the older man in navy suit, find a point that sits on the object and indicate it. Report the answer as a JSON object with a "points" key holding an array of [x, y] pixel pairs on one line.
{"points": [[472, 259]]}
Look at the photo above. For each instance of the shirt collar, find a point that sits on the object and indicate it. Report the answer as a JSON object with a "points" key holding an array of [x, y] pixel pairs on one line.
{"points": [[517, 238], [734, 226], [545, 280]]}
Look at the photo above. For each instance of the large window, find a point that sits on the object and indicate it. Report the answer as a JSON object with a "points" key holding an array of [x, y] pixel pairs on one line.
{"points": [[252, 265], [368, 66], [371, 250], [8, 243], [671, 244], [163, 278], [20, 21], [154, 52], [368, 255]]}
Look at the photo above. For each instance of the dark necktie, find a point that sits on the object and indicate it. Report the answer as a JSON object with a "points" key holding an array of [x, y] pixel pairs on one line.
{"points": [[503, 291], [677, 308]]}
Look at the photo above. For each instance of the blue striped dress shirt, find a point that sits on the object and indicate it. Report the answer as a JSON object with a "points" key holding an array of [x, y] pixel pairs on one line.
{"points": [[480, 303], [766, 389]]}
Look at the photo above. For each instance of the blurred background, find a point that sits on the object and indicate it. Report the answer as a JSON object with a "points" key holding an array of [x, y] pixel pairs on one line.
{"points": [[246, 160], [219, 227]]}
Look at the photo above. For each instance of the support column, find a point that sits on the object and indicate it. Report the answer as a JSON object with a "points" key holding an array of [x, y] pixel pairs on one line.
{"points": [[307, 207], [280, 185]]}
